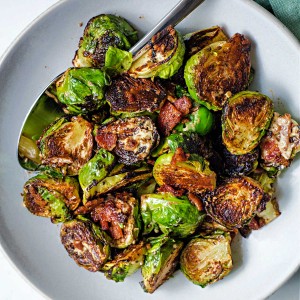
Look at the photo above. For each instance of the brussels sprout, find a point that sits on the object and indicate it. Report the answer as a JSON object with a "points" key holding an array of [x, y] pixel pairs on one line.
{"points": [[245, 119], [95, 170], [193, 175], [131, 139], [206, 260], [172, 215], [196, 41], [80, 239], [81, 90], [199, 121], [240, 164], [119, 217], [117, 61], [125, 263], [281, 144], [67, 144], [134, 95], [219, 71], [51, 196], [116, 181], [161, 57], [160, 262], [234, 203], [100, 33]]}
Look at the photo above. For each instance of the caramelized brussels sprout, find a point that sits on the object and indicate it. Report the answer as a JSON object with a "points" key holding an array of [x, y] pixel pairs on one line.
{"points": [[100, 33], [67, 145], [196, 41], [245, 119], [234, 203], [95, 170], [161, 57], [192, 174], [119, 216], [81, 90], [125, 263], [175, 216], [117, 180], [219, 71], [51, 196], [281, 143], [80, 239], [160, 262], [199, 121], [134, 95], [131, 139], [207, 259]]}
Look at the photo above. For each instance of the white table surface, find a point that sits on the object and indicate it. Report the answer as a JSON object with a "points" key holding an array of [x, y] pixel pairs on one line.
{"points": [[15, 16]]}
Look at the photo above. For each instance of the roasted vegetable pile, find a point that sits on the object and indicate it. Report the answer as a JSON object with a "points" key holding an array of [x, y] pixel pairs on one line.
{"points": [[160, 159]]}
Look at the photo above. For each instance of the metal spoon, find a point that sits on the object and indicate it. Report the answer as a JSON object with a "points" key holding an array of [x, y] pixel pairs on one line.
{"points": [[45, 110]]}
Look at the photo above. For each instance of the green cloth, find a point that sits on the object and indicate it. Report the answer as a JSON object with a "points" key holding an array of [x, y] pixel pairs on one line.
{"points": [[287, 11]]}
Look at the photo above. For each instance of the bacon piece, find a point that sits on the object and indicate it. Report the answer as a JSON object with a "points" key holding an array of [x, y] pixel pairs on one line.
{"points": [[106, 140], [196, 201], [168, 118], [183, 104], [88, 207], [178, 156]]}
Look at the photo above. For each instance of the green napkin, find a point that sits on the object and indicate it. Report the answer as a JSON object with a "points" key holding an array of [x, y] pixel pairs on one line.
{"points": [[287, 11]]}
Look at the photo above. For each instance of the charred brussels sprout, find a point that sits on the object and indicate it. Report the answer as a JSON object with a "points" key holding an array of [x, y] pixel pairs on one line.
{"points": [[245, 119], [125, 263], [207, 259], [281, 144], [131, 139], [199, 121], [118, 215], [235, 203], [100, 33], [81, 90], [161, 57], [160, 262], [172, 215], [196, 41], [176, 170], [83, 244], [219, 71], [67, 145], [134, 95], [116, 180], [51, 196], [95, 170]]}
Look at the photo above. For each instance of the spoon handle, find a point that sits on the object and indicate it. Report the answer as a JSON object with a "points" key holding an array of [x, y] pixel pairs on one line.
{"points": [[182, 9]]}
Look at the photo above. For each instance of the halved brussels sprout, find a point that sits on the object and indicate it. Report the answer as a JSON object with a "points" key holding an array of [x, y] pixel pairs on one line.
{"points": [[196, 41], [117, 180], [199, 121], [192, 174], [81, 90], [160, 262], [80, 239], [172, 215], [161, 57], [207, 259], [219, 71], [245, 119], [119, 216], [134, 95], [125, 263], [95, 170], [281, 143], [51, 196], [67, 144], [131, 139], [234, 203], [100, 33]]}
